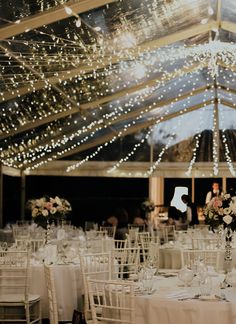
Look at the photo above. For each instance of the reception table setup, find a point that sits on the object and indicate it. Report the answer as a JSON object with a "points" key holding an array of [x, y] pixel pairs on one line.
{"points": [[118, 161], [168, 275], [161, 293], [170, 302]]}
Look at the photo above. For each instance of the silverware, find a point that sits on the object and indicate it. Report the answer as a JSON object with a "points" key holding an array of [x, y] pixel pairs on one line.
{"points": [[189, 298], [222, 297]]}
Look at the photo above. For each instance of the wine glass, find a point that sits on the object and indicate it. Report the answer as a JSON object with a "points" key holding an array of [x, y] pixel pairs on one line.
{"points": [[148, 281], [206, 286], [151, 265], [186, 276]]}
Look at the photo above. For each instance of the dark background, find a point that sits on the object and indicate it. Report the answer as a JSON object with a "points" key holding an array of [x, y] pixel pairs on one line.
{"points": [[96, 198]]}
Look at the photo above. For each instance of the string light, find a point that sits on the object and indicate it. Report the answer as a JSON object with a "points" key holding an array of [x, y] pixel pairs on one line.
{"points": [[195, 149], [55, 54], [171, 138], [215, 155], [47, 149]]}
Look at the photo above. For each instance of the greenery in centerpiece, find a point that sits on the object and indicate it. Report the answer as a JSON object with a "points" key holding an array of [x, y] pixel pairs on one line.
{"points": [[48, 209], [148, 206], [221, 211]]}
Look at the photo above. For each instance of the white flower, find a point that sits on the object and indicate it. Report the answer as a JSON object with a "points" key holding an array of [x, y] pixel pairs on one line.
{"points": [[45, 212], [53, 210], [48, 206], [58, 201], [227, 219], [34, 212], [227, 211], [210, 215], [232, 206], [227, 196]]}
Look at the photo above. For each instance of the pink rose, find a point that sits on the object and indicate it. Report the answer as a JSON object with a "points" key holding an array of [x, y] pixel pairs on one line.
{"points": [[48, 205], [217, 203]]}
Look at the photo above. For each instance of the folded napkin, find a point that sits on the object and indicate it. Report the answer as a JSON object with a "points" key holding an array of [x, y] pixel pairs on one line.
{"points": [[179, 294], [50, 253], [61, 234]]}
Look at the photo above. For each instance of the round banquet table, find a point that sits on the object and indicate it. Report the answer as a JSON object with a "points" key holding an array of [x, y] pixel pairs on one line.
{"points": [[161, 308], [6, 236], [170, 258], [68, 284], [69, 289]]}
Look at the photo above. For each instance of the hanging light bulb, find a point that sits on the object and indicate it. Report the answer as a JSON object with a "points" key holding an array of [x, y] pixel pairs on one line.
{"points": [[210, 11], [204, 21], [78, 22], [68, 10], [97, 28]]}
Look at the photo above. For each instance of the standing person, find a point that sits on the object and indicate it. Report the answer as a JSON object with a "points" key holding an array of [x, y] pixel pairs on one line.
{"points": [[122, 217], [215, 192], [191, 212]]}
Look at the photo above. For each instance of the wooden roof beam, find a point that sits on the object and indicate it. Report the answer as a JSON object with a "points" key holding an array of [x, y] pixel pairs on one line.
{"points": [[228, 26], [227, 89], [50, 16], [228, 104]]}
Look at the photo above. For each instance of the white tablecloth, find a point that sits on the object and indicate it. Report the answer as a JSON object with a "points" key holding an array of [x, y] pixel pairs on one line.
{"points": [[159, 309], [6, 236], [170, 258], [69, 289]]}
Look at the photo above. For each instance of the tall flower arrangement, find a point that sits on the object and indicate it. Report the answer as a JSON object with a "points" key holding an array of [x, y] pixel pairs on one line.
{"points": [[48, 208], [221, 211], [148, 206]]}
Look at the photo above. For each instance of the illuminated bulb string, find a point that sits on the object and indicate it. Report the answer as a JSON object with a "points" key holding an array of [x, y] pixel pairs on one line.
{"points": [[226, 147], [215, 145], [78, 164], [120, 134], [33, 159], [155, 165], [96, 152], [138, 145], [109, 117], [132, 152], [198, 137], [227, 154]]}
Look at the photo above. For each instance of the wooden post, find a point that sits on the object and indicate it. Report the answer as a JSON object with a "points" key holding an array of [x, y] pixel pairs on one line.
{"points": [[22, 196], [193, 189], [156, 190], [1, 196], [224, 185]]}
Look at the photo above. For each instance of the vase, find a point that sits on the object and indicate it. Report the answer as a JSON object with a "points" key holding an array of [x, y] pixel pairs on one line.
{"points": [[228, 248], [47, 232]]}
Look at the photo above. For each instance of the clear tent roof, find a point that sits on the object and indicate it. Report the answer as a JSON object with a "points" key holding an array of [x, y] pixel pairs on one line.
{"points": [[117, 81]]}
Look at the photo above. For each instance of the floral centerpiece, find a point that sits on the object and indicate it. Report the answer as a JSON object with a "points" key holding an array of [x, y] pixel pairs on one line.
{"points": [[47, 208], [148, 206], [221, 211]]}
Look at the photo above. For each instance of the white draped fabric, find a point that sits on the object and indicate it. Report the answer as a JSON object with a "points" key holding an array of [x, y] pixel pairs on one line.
{"points": [[163, 307], [69, 288], [170, 258]]}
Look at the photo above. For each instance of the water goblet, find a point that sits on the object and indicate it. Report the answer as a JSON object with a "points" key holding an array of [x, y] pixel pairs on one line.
{"points": [[206, 286], [186, 276], [148, 281], [152, 265]]}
